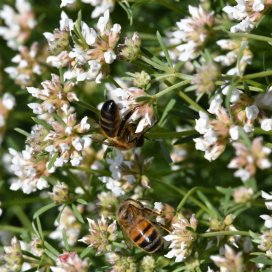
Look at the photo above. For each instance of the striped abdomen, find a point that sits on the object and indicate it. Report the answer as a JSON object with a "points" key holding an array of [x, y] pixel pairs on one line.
{"points": [[146, 236], [110, 118]]}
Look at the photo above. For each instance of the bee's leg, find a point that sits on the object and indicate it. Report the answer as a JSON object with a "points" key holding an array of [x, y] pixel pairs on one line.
{"points": [[123, 124], [162, 226]]}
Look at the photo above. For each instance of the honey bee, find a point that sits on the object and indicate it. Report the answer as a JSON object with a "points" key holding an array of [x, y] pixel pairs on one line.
{"points": [[132, 216], [119, 132]]}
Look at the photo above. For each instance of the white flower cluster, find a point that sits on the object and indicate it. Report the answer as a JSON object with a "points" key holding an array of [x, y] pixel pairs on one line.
{"points": [[69, 223], [192, 33], [247, 12], [27, 65], [7, 103], [18, 25], [92, 51], [30, 175], [265, 241], [100, 6]]}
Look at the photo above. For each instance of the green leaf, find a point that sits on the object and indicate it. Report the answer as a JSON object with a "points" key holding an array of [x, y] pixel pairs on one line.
{"points": [[42, 123], [39, 225], [165, 152], [59, 119], [51, 249], [44, 209], [87, 106], [23, 132], [77, 214], [126, 7], [85, 252], [82, 201], [165, 50], [166, 111], [143, 98], [50, 255], [35, 269], [65, 241], [262, 259], [52, 161]]}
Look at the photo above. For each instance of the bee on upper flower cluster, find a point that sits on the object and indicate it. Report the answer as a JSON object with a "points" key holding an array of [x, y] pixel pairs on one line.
{"points": [[120, 131]]}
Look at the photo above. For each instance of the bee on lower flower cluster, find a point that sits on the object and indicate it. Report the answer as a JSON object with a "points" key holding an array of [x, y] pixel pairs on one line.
{"points": [[136, 224]]}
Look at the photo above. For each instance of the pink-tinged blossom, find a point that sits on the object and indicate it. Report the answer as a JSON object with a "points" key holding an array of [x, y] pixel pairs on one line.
{"points": [[231, 261], [238, 55], [247, 12], [12, 257], [242, 194], [30, 173], [97, 52], [192, 33], [215, 132], [100, 6], [28, 65], [181, 237], [101, 235], [19, 23], [55, 96], [248, 159], [67, 222], [70, 262]]}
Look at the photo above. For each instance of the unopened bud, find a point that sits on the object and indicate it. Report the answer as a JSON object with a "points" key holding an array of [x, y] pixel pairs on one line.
{"points": [[141, 80], [13, 256], [131, 49], [60, 193], [58, 41], [229, 219]]}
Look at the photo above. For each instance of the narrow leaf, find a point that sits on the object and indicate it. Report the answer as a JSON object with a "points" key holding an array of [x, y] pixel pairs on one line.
{"points": [[65, 240], [51, 249], [166, 53], [43, 210], [42, 123], [167, 109], [23, 132], [77, 214]]}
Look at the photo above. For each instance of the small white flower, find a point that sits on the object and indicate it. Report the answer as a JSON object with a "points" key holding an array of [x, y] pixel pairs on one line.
{"points": [[252, 112], [268, 221], [109, 56], [65, 3], [215, 104], [234, 133], [8, 101], [266, 124], [268, 197]]}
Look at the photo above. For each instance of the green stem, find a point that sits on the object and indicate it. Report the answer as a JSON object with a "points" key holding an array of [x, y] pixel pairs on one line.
{"points": [[170, 135], [194, 105], [183, 193], [171, 88], [19, 212], [184, 199], [260, 74], [224, 233], [262, 132], [12, 229], [178, 75], [251, 36]]}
